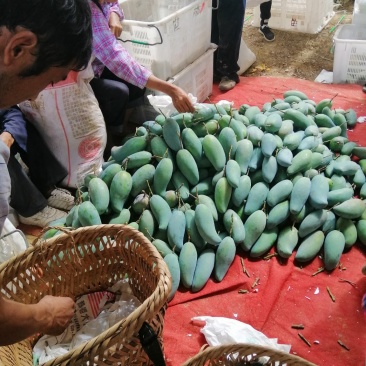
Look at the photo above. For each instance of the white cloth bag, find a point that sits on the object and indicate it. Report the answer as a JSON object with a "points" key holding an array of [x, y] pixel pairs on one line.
{"points": [[68, 117]]}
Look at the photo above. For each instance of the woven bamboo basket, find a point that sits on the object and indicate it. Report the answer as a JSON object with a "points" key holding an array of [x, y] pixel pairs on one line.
{"points": [[241, 354], [83, 261]]}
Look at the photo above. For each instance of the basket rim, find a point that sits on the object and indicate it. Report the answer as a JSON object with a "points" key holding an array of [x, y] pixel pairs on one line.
{"points": [[236, 347], [163, 280]]}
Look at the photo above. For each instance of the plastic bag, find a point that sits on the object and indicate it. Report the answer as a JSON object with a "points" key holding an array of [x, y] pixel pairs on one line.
{"points": [[163, 103], [105, 320], [219, 331], [90, 330], [49, 353]]}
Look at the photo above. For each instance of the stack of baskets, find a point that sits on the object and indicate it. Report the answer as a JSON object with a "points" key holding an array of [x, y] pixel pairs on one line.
{"points": [[87, 260], [244, 354]]}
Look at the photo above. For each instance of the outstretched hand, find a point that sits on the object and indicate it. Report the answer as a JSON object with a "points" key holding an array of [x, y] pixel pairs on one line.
{"points": [[181, 101]]}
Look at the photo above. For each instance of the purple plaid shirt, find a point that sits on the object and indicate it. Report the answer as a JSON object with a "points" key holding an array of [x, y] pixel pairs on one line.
{"points": [[109, 52]]}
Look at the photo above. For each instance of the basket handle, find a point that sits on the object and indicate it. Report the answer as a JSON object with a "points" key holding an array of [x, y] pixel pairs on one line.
{"points": [[150, 344]]}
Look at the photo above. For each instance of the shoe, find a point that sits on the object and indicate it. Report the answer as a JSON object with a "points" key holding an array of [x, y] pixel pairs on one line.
{"points": [[44, 217], [226, 84], [364, 88], [62, 199], [267, 33]]}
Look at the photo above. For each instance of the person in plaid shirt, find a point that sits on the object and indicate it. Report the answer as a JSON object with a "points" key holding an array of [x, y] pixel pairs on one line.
{"points": [[119, 78]]}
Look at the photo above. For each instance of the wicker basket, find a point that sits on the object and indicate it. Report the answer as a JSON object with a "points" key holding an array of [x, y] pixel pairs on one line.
{"points": [[86, 260], [243, 354]]}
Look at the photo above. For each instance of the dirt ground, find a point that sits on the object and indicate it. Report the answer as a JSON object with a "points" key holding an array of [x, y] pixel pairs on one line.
{"points": [[294, 54]]}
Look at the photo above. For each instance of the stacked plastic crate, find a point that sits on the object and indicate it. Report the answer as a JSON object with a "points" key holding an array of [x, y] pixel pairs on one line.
{"points": [[172, 39], [359, 12], [349, 63], [307, 16]]}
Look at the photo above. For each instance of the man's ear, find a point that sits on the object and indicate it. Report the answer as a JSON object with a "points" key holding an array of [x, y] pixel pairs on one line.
{"points": [[20, 47]]}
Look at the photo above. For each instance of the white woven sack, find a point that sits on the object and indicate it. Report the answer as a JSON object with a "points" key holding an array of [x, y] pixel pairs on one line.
{"points": [[68, 117]]}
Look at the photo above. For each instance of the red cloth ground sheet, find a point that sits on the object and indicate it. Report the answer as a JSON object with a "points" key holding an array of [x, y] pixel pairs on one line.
{"points": [[286, 292]]}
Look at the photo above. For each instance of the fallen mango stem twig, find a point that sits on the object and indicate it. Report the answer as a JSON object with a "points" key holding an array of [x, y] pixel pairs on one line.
{"points": [[243, 267], [348, 281], [297, 326], [243, 291], [304, 339], [256, 282], [269, 256], [343, 345], [331, 295], [320, 269]]}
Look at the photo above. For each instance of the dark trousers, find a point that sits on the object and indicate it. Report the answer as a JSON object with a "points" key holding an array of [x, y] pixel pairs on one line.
{"points": [[226, 32], [45, 171], [265, 9], [115, 96]]}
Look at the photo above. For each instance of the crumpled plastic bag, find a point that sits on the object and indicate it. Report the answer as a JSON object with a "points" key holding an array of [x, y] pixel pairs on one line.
{"points": [[163, 103], [49, 353], [219, 331]]}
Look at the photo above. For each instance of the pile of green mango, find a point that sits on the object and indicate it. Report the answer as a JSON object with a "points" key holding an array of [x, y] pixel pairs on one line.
{"points": [[201, 185]]}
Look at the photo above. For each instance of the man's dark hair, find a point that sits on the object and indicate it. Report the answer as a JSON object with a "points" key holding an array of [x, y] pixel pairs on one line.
{"points": [[63, 29]]}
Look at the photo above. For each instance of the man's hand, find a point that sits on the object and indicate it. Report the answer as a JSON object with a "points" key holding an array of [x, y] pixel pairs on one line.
{"points": [[57, 313], [115, 24], [7, 138], [180, 98], [181, 101]]}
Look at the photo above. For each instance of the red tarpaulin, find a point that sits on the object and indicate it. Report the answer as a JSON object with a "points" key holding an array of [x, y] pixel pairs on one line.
{"points": [[287, 293]]}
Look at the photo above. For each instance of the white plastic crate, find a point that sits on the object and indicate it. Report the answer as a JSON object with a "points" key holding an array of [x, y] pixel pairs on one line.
{"points": [[359, 12], [196, 78], [166, 36], [349, 63], [306, 16]]}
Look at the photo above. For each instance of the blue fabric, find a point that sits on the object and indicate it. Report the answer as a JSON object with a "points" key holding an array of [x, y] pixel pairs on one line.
{"points": [[12, 121]]}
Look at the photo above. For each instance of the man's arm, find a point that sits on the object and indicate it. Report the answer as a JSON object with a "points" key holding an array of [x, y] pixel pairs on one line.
{"points": [[20, 321]]}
